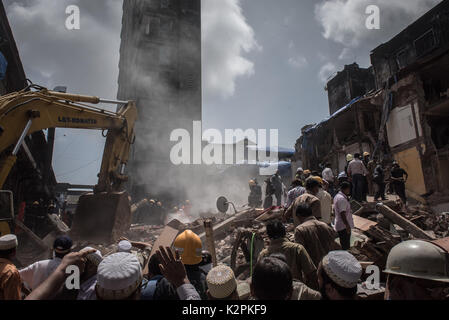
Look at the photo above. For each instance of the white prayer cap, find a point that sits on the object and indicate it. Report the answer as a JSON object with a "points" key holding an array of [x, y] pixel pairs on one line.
{"points": [[94, 257], [343, 268], [124, 246], [8, 242], [221, 282], [118, 276]]}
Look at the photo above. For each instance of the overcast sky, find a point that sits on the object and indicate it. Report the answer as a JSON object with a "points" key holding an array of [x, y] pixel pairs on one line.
{"points": [[265, 62]]}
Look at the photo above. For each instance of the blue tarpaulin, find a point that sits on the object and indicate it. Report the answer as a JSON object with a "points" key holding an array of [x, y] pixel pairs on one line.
{"points": [[3, 66]]}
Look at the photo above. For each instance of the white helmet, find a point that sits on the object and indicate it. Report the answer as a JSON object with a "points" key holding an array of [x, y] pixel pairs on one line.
{"points": [[419, 259]]}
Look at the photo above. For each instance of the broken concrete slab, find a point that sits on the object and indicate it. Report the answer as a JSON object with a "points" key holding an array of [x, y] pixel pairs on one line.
{"points": [[362, 223]]}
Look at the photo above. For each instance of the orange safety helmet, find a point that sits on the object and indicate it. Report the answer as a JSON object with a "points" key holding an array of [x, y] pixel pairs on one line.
{"points": [[190, 247]]}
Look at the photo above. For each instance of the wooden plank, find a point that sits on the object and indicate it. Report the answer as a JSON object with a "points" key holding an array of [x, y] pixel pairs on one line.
{"points": [[403, 222], [168, 235], [362, 223]]}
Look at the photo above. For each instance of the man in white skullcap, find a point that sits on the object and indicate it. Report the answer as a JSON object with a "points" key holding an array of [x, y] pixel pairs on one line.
{"points": [[141, 249], [10, 283], [221, 284], [89, 276], [338, 275], [119, 277]]}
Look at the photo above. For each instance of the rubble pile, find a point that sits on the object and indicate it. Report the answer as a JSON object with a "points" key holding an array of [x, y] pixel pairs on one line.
{"points": [[424, 218]]}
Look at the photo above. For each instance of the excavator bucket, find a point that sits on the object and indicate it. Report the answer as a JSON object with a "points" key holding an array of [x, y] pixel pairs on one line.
{"points": [[102, 217]]}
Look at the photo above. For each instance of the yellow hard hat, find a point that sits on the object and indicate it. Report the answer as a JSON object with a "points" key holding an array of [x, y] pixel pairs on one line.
{"points": [[349, 157], [366, 154], [318, 179], [252, 182], [307, 171], [35, 203], [189, 246]]}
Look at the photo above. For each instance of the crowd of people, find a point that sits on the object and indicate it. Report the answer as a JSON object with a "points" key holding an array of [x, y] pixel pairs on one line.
{"points": [[315, 265]]}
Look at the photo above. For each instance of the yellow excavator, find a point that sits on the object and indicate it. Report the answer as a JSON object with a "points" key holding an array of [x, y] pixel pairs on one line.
{"points": [[104, 214]]}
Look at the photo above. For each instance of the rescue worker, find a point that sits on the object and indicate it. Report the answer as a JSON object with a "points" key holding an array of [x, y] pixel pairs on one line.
{"points": [[299, 261], [310, 197], [269, 191], [370, 165], [349, 158], [343, 215], [357, 172], [342, 177], [325, 201], [417, 270], [10, 282], [295, 192], [162, 212], [255, 194], [190, 247], [276, 181], [186, 209], [307, 174], [379, 180], [317, 237], [328, 176], [300, 175], [398, 181]]}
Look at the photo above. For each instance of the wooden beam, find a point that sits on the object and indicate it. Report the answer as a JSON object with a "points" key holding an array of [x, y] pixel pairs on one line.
{"points": [[407, 225]]}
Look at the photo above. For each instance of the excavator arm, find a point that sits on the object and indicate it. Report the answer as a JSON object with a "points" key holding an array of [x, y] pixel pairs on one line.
{"points": [[106, 212], [25, 112]]}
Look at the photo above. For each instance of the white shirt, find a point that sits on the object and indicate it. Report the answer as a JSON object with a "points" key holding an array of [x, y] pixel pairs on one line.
{"points": [[38, 272], [326, 205], [328, 175], [341, 203]]}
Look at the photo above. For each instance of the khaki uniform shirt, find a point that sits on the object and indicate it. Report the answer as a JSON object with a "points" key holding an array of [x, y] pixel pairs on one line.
{"points": [[10, 282], [317, 238], [313, 201], [303, 292], [297, 257]]}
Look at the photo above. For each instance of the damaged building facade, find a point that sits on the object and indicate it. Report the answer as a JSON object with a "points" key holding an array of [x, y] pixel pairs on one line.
{"points": [[160, 68], [404, 117], [413, 68], [353, 125]]}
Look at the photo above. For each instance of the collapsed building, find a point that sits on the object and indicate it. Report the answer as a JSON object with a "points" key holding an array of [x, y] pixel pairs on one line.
{"points": [[403, 117], [355, 108]]}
